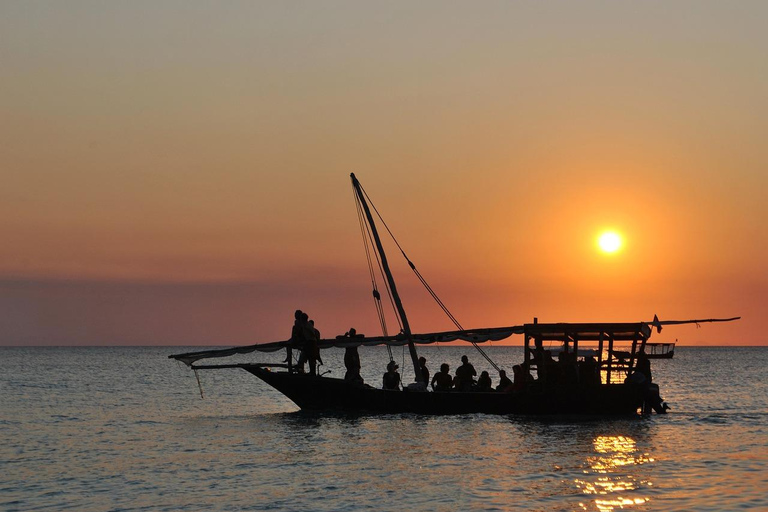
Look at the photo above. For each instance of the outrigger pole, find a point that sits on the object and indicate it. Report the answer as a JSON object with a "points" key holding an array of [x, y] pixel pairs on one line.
{"points": [[390, 280]]}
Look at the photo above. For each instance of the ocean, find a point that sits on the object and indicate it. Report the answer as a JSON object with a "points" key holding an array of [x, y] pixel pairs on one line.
{"points": [[125, 429]]}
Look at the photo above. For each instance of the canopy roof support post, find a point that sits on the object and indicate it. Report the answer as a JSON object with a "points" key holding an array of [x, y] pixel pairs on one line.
{"points": [[632, 357], [527, 360], [610, 358], [600, 354], [393, 288]]}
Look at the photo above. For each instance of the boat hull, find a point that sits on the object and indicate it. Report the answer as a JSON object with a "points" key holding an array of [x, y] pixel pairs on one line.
{"points": [[314, 393]]}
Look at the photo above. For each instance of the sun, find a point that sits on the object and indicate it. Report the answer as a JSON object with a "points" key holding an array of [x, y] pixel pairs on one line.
{"points": [[609, 241]]}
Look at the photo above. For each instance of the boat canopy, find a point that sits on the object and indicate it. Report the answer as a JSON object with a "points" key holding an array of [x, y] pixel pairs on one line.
{"points": [[470, 335], [617, 331]]}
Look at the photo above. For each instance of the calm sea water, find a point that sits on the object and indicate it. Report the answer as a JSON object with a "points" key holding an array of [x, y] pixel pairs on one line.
{"points": [[93, 429]]}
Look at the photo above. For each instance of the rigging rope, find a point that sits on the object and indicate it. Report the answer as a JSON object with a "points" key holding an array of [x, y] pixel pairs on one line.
{"points": [[384, 278], [376, 295], [425, 283]]}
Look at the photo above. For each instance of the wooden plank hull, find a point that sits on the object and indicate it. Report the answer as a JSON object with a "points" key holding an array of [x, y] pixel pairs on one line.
{"points": [[314, 393]]}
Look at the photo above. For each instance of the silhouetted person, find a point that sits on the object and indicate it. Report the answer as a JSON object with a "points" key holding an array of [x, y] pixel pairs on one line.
{"points": [[465, 375], [505, 384], [589, 373], [641, 378], [566, 363], [424, 370], [442, 381], [317, 338], [544, 362], [520, 378], [552, 371], [391, 379], [309, 349], [484, 382], [295, 341], [352, 364], [643, 366]]}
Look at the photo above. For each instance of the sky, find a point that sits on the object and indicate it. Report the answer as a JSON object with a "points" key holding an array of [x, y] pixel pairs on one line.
{"points": [[177, 172]]}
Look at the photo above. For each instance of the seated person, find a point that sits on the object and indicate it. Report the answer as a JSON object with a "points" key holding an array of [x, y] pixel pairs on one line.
{"points": [[484, 382], [442, 381], [589, 372], [520, 378], [465, 375], [391, 379], [505, 384]]}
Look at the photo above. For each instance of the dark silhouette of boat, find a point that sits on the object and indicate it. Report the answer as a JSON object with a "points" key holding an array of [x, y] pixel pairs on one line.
{"points": [[660, 350], [323, 393], [599, 368]]}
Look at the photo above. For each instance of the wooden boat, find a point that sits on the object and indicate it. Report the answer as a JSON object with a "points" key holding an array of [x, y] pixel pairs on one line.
{"points": [[660, 350], [589, 377]]}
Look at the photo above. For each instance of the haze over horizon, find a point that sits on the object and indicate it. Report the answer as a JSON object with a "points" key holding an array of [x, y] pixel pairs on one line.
{"points": [[177, 173]]}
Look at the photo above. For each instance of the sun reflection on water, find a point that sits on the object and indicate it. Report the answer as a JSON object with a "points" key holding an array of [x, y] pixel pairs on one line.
{"points": [[616, 486]]}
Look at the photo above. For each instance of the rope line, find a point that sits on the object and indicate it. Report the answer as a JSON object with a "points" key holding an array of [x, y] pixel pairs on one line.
{"points": [[372, 274], [425, 283], [384, 278], [367, 238]]}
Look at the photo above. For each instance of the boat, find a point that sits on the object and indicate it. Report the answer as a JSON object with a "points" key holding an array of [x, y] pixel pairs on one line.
{"points": [[591, 375], [660, 350]]}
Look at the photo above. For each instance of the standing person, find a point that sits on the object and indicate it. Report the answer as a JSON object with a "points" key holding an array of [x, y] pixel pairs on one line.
{"points": [[442, 381], [309, 350], [295, 341], [317, 340], [391, 379], [352, 364], [424, 369]]}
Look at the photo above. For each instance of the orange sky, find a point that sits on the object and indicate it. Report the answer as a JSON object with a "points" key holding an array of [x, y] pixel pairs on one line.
{"points": [[179, 173]]}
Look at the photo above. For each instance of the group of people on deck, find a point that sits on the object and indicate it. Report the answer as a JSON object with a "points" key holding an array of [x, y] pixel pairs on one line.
{"points": [[463, 380], [305, 338]]}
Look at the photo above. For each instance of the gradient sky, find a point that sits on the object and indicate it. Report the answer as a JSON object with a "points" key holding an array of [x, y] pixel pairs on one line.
{"points": [[178, 172]]}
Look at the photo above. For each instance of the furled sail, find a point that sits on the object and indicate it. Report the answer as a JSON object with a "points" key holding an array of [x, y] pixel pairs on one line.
{"points": [[471, 335]]}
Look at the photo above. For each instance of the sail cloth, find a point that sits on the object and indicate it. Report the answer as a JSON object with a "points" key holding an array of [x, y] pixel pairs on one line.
{"points": [[471, 335]]}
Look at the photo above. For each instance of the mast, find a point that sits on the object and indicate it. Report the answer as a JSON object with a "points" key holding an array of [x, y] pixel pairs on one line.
{"points": [[390, 280]]}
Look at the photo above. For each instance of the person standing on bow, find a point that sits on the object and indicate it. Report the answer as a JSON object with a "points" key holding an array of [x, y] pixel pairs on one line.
{"points": [[295, 342], [309, 345]]}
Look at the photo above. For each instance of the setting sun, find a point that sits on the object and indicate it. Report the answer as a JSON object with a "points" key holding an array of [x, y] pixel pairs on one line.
{"points": [[609, 242]]}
